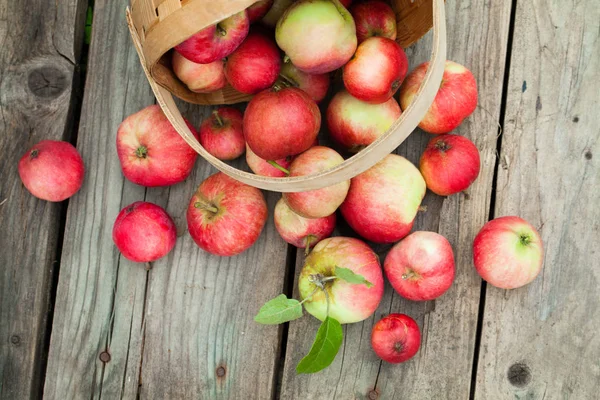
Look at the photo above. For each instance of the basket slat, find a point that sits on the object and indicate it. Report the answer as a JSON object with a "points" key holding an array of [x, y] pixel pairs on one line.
{"points": [[167, 7]]}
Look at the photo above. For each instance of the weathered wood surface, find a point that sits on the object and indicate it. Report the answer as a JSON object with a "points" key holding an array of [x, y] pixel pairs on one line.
{"points": [[40, 45], [541, 341]]}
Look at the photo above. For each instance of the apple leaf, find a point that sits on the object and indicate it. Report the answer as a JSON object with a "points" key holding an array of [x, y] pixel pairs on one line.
{"points": [[324, 349], [350, 277], [279, 310]]}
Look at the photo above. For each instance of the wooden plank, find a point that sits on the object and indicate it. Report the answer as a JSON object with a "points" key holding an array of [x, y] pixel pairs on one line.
{"points": [[541, 341], [41, 44], [477, 38]]}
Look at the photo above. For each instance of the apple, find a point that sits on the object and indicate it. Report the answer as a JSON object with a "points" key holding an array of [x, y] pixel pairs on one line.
{"points": [[508, 252], [52, 170], [316, 86], [449, 164], [255, 65], [317, 203], [222, 135], [225, 217], [374, 18], [199, 78], [421, 266], [348, 303], [216, 41], [396, 338], [151, 151], [275, 12], [144, 232], [346, 3], [354, 124], [281, 122], [383, 201], [299, 231], [264, 168], [318, 36], [376, 71], [258, 10], [455, 100]]}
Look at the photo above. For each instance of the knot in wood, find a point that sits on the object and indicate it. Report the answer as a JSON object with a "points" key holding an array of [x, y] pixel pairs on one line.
{"points": [[105, 357], [519, 375], [373, 395], [221, 372], [15, 339], [47, 82]]}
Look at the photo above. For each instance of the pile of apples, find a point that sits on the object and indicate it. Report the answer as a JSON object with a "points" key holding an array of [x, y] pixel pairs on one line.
{"points": [[342, 278]]}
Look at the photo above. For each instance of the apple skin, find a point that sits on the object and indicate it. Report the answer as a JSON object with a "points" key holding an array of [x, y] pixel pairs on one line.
{"points": [[222, 134], [354, 124], [319, 36], [271, 110], [349, 303], [241, 214], [375, 57], [255, 65], [508, 252], [396, 338], [383, 201], [199, 78], [216, 41], [317, 203], [316, 86], [52, 170], [421, 266], [151, 151], [261, 167], [258, 10], [455, 100], [299, 231], [450, 164], [144, 232], [374, 18], [346, 3]]}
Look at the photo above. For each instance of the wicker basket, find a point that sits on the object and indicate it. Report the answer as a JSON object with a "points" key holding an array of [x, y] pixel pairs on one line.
{"points": [[159, 25]]}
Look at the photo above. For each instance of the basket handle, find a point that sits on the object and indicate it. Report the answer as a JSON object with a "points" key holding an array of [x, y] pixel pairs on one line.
{"points": [[351, 167]]}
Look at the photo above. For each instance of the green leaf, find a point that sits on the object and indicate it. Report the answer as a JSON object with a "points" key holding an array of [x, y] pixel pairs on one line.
{"points": [[324, 349], [279, 310], [350, 277]]}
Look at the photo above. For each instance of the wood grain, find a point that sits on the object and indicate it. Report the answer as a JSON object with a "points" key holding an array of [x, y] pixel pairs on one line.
{"points": [[41, 44], [541, 341]]}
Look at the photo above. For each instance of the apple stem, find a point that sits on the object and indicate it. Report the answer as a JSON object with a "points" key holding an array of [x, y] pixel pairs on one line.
{"points": [[221, 31], [148, 266], [326, 298], [206, 206], [288, 81], [422, 209], [308, 240], [409, 275], [34, 153], [310, 295], [279, 167], [217, 118], [286, 59]]}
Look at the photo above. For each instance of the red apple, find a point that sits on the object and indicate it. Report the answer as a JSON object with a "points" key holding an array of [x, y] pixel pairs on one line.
{"points": [[421, 266], [255, 65], [508, 252], [346, 3], [383, 201], [396, 338], [316, 86], [199, 78], [217, 41], [354, 124], [144, 232], [376, 71], [52, 170], [281, 122], [449, 164], [374, 18], [455, 100], [275, 12], [222, 135], [321, 202], [258, 10], [264, 168], [299, 231], [348, 303], [225, 217], [319, 36], [151, 151]]}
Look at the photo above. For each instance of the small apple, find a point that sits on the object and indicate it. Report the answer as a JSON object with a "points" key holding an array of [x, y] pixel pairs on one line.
{"points": [[275, 12], [299, 231], [52, 170], [421, 266], [354, 124], [262, 167], [222, 135], [455, 100], [144, 232], [449, 164], [316, 86], [318, 36], [258, 10], [317, 203], [255, 65], [348, 303], [151, 151], [199, 78], [508, 252], [383, 201], [225, 217], [217, 41], [281, 122], [396, 338], [374, 18]]}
